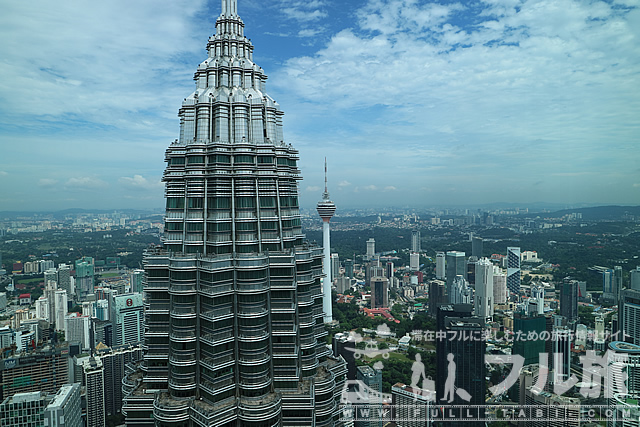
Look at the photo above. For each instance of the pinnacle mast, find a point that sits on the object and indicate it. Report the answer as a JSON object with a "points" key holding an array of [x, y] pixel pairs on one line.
{"points": [[230, 8], [326, 208]]}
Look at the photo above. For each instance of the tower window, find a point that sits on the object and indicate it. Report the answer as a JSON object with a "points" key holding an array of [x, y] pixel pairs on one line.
{"points": [[175, 203], [196, 202], [244, 159], [267, 202], [195, 160], [245, 202]]}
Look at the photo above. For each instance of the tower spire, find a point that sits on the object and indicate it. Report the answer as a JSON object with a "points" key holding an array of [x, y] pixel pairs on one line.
{"points": [[325, 195], [230, 8]]}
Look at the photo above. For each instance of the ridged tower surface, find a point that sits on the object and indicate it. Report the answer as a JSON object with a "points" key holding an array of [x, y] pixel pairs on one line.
{"points": [[234, 332]]}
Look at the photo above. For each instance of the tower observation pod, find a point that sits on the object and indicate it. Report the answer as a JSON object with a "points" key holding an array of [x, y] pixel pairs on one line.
{"points": [[326, 209]]}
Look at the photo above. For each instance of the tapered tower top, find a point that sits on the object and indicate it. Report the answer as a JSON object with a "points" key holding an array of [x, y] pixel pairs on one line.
{"points": [[230, 8], [326, 208]]}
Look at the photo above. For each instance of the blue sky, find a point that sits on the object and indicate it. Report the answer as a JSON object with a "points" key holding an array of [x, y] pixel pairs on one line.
{"points": [[413, 102]]}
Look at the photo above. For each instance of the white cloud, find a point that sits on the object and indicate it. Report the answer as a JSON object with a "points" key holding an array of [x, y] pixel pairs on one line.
{"points": [[530, 88], [304, 11], [370, 188], [138, 182], [313, 189], [309, 32], [343, 184], [3, 173], [94, 61], [636, 185], [302, 15], [86, 183], [47, 182], [390, 188]]}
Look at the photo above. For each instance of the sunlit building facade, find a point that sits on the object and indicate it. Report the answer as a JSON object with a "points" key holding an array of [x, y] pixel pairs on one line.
{"points": [[234, 332]]}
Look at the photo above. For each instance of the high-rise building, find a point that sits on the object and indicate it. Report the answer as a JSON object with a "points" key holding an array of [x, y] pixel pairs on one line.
{"points": [[561, 358], [49, 293], [440, 265], [335, 266], [470, 270], [629, 316], [513, 270], [23, 410], [526, 325], [326, 209], [136, 281], [348, 268], [389, 270], [552, 410], [414, 261], [65, 409], [89, 309], [84, 277], [64, 278], [374, 269], [379, 292], [42, 309], [31, 267], [477, 244], [461, 293], [467, 357], [7, 338], [455, 267], [102, 309], [599, 338], [537, 296], [114, 362], [127, 317], [437, 296], [234, 318], [569, 299], [42, 370], [77, 330], [608, 286], [484, 289], [345, 347], [371, 380], [634, 277], [583, 296], [412, 406], [415, 241], [617, 281], [60, 307], [343, 284], [443, 313], [625, 381], [371, 248], [499, 285], [50, 275], [95, 391]]}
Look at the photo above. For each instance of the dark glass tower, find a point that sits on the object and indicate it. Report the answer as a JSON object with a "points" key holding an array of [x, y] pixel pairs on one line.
{"points": [[468, 356], [234, 332]]}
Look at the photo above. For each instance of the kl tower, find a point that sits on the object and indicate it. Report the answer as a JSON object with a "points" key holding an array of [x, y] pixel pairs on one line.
{"points": [[326, 209]]}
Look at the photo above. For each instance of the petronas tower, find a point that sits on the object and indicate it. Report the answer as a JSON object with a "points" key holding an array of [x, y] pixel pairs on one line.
{"points": [[234, 332]]}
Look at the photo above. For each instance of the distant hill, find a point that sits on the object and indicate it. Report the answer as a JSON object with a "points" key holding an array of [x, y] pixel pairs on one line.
{"points": [[598, 212], [75, 211]]}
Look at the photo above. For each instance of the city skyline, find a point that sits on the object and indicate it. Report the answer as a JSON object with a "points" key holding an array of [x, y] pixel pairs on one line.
{"points": [[427, 103]]}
